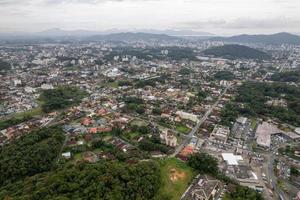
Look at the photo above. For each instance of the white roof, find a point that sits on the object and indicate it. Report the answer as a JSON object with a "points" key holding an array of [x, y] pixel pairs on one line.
{"points": [[231, 159]]}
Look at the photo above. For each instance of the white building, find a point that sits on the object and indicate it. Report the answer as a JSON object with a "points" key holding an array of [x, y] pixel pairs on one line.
{"points": [[47, 86], [187, 116]]}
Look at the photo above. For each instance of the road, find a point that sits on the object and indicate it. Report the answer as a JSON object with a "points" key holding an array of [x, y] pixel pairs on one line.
{"points": [[271, 175], [201, 121]]}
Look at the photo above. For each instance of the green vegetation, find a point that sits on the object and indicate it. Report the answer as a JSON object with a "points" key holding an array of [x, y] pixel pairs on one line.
{"points": [[61, 97], [175, 179], [31, 154], [251, 101], [204, 163], [154, 144], [291, 76], [182, 128], [242, 192], [4, 67], [201, 95], [290, 151], [144, 83], [295, 171], [255, 95], [253, 123], [224, 75], [134, 104], [89, 181], [20, 117], [110, 84], [174, 53], [229, 114], [5, 123], [185, 71], [124, 83], [237, 51]]}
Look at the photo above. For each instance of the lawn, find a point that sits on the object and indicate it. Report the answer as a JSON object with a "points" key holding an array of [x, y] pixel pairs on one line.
{"points": [[139, 123], [77, 157], [176, 177], [132, 135], [113, 84], [182, 128], [17, 118], [253, 123]]}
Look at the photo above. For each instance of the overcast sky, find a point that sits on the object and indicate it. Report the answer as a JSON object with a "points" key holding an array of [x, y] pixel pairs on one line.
{"points": [[216, 16]]}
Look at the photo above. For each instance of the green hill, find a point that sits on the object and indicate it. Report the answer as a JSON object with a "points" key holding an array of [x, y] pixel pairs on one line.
{"points": [[277, 39], [233, 51], [4, 66]]}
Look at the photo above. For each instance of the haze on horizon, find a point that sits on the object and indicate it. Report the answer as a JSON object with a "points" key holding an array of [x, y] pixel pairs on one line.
{"points": [[216, 16]]}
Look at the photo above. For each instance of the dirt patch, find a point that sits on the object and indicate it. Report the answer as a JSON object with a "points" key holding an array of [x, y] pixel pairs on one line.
{"points": [[176, 175]]}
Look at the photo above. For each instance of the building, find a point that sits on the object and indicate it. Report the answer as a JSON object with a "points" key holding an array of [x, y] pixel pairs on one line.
{"points": [[263, 134], [187, 116], [203, 188], [220, 133], [231, 159], [168, 138], [47, 87], [66, 155]]}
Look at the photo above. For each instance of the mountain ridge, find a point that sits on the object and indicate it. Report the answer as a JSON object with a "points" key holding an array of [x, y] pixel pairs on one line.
{"points": [[234, 51], [277, 38]]}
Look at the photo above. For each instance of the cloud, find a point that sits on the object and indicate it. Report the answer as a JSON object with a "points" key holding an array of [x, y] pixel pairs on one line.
{"points": [[263, 23], [244, 23], [200, 15], [87, 1], [14, 2]]}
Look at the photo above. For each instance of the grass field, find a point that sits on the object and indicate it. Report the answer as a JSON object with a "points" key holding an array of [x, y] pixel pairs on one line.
{"points": [[132, 135], [113, 84], [32, 112], [176, 177], [17, 118], [139, 123], [253, 123], [182, 128]]}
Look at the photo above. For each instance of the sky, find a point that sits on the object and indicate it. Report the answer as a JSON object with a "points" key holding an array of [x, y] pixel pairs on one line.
{"points": [[215, 16]]}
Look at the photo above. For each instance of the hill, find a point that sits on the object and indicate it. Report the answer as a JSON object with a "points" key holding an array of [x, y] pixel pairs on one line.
{"points": [[278, 38], [236, 51], [4, 66], [133, 37]]}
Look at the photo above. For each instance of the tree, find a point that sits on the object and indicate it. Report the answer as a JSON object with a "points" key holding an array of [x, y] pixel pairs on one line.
{"points": [[224, 75], [204, 163], [30, 154], [242, 192], [61, 97], [185, 71], [105, 180], [295, 171], [201, 95]]}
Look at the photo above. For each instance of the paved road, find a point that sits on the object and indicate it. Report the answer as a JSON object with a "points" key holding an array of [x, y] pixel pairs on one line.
{"points": [[270, 173], [201, 121]]}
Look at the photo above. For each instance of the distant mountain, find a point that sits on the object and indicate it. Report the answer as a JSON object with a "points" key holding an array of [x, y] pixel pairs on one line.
{"points": [[133, 37], [278, 38], [234, 51], [56, 32], [177, 32], [85, 35]]}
